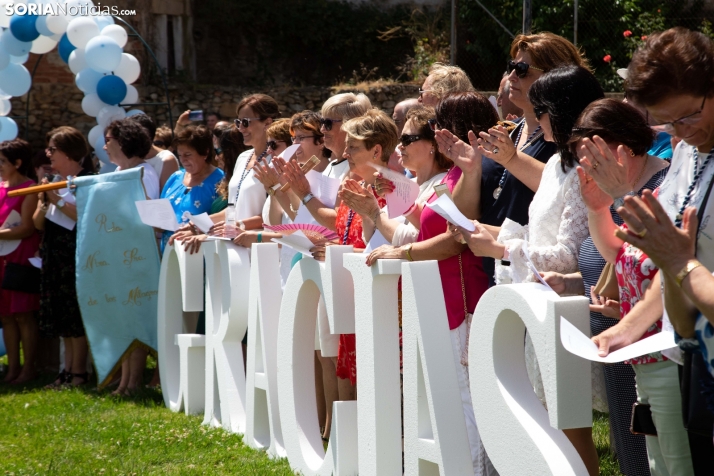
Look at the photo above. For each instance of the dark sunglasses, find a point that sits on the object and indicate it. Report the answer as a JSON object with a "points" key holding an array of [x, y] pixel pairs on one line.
{"points": [[245, 122], [539, 111], [521, 68], [273, 144], [433, 125], [407, 139], [327, 123], [218, 150], [159, 143]]}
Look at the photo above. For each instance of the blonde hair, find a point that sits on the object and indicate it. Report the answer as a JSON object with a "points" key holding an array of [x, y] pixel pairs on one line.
{"points": [[372, 128], [549, 51], [346, 106], [280, 130], [446, 79]]}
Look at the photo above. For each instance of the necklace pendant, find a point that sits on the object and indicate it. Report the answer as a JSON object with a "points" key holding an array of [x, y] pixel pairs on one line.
{"points": [[678, 217], [497, 193]]}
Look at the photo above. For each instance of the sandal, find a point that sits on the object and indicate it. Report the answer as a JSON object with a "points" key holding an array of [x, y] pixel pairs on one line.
{"points": [[84, 377], [61, 379]]}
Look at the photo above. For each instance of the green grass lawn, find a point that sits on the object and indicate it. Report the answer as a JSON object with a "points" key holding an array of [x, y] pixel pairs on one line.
{"points": [[82, 431]]}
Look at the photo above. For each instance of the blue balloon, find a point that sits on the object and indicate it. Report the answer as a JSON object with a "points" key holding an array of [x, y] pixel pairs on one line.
{"points": [[87, 80], [8, 129], [23, 27], [64, 48], [100, 152], [111, 89], [14, 46]]}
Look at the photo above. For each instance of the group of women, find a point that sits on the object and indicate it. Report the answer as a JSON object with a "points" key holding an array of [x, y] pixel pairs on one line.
{"points": [[576, 190]]}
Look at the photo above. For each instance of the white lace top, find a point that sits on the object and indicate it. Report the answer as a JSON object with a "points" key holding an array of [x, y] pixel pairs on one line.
{"points": [[558, 225]]}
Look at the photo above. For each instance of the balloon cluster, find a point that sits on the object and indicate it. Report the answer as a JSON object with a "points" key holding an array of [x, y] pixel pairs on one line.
{"points": [[92, 46]]}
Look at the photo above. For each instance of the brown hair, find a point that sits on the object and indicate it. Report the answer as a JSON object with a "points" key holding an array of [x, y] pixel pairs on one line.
{"points": [[673, 62], [419, 116], [70, 141], [163, 135], [616, 122], [198, 138], [464, 112], [18, 149], [280, 130], [374, 127], [231, 142], [262, 105], [549, 51], [309, 121]]}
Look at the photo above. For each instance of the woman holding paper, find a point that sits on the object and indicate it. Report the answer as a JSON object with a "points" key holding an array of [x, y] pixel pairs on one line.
{"points": [[19, 241], [56, 214]]}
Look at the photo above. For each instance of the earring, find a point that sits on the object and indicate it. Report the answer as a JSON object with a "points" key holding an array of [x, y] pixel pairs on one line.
{"points": [[431, 151], [632, 153]]}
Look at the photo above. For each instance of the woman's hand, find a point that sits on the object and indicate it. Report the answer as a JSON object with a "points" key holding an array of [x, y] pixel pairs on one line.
{"points": [[462, 154], [481, 242], [497, 145], [246, 238], [610, 172], [191, 243], [296, 178], [556, 281], [614, 338], [382, 186], [359, 199], [386, 252], [650, 229], [605, 306], [318, 251], [593, 196], [217, 229], [183, 119], [267, 175]]}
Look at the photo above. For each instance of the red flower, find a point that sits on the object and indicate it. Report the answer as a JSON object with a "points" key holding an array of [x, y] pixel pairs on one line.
{"points": [[627, 33], [643, 37], [607, 58]]}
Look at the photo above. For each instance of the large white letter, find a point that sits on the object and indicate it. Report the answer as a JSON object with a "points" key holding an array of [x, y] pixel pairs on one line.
{"points": [[377, 329], [296, 378], [228, 275], [435, 439], [509, 414], [180, 289], [263, 425]]}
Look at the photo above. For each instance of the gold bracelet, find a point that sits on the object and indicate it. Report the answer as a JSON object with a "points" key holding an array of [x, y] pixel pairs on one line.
{"points": [[408, 251], [691, 265]]}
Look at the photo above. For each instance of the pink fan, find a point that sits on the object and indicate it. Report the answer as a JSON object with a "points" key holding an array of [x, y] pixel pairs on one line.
{"points": [[316, 233]]}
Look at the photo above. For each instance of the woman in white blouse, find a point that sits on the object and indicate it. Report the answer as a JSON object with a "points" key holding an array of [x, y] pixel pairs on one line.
{"points": [[558, 218]]}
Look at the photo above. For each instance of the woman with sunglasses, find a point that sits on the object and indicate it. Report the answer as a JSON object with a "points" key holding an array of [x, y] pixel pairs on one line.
{"points": [[671, 76], [558, 217], [443, 79], [59, 310]]}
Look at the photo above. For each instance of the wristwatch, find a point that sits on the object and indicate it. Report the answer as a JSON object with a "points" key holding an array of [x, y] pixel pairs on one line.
{"points": [[241, 225], [307, 198], [61, 203]]}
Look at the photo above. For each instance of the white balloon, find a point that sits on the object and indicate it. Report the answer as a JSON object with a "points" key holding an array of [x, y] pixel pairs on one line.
{"points": [[129, 68], [57, 24], [5, 107], [94, 134], [8, 129], [134, 112], [76, 61], [132, 95], [15, 79], [43, 44], [91, 104], [4, 19], [110, 113], [80, 30], [117, 33], [103, 54], [41, 25], [19, 59]]}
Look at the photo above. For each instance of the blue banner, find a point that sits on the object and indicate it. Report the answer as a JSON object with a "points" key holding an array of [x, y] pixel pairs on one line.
{"points": [[117, 268]]}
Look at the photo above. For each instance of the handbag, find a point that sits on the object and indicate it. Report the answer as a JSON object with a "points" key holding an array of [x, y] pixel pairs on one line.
{"points": [[22, 278], [467, 316], [607, 283]]}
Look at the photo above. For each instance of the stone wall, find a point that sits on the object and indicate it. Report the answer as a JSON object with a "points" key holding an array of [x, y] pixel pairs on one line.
{"points": [[57, 104]]}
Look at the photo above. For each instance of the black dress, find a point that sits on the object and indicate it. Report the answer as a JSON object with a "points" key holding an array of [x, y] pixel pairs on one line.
{"points": [[515, 197], [619, 377], [59, 314]]}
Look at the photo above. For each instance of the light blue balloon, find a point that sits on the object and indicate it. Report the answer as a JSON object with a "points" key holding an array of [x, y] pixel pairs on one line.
{"points": [[14, 46], [19, 59], [4, 57], [41, 25], [8, 129], [134, 112], [87, 80], [15, 79], [23, 27], [102, 54], [104, 20], [100, 152]]}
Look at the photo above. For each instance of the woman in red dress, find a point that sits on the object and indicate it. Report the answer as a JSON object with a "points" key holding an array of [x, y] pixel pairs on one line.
{"points": [[17, 305]]}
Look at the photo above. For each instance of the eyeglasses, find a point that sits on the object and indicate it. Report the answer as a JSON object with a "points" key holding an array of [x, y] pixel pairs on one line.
{"points": [[422, 91], [407, 139], [521, 68], [245, 121], [218, 150], [273, 144], [327, 123], [51, 150], [298, 139], [687, 120], [433, 125], [107, 139], [539, 111]]}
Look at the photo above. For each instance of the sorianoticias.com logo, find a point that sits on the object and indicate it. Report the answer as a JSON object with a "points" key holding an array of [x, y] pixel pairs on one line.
{"points": [[72, 8]]}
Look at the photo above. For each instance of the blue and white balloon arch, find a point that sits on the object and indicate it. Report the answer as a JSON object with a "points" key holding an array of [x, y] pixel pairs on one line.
{"points": [[92, 46]]}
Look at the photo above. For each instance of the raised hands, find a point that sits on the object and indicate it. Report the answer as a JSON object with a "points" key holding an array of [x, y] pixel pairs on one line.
{"points": [[462, 154], [610, 172], [268, 174], [360, 199], [594, 197], [497, 145], [293, 175]]}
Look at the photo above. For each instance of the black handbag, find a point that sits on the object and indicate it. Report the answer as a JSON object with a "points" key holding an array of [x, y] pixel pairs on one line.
{"points": [[23, 278]]}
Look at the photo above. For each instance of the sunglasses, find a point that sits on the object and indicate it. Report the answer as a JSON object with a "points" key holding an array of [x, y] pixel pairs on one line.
{"points": [[521, 68], [245, 122], [159, 143], [407, 139], [434, 125], [539, 111], [688, 120], [327, 123], [218, 150], [273, 144]]}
